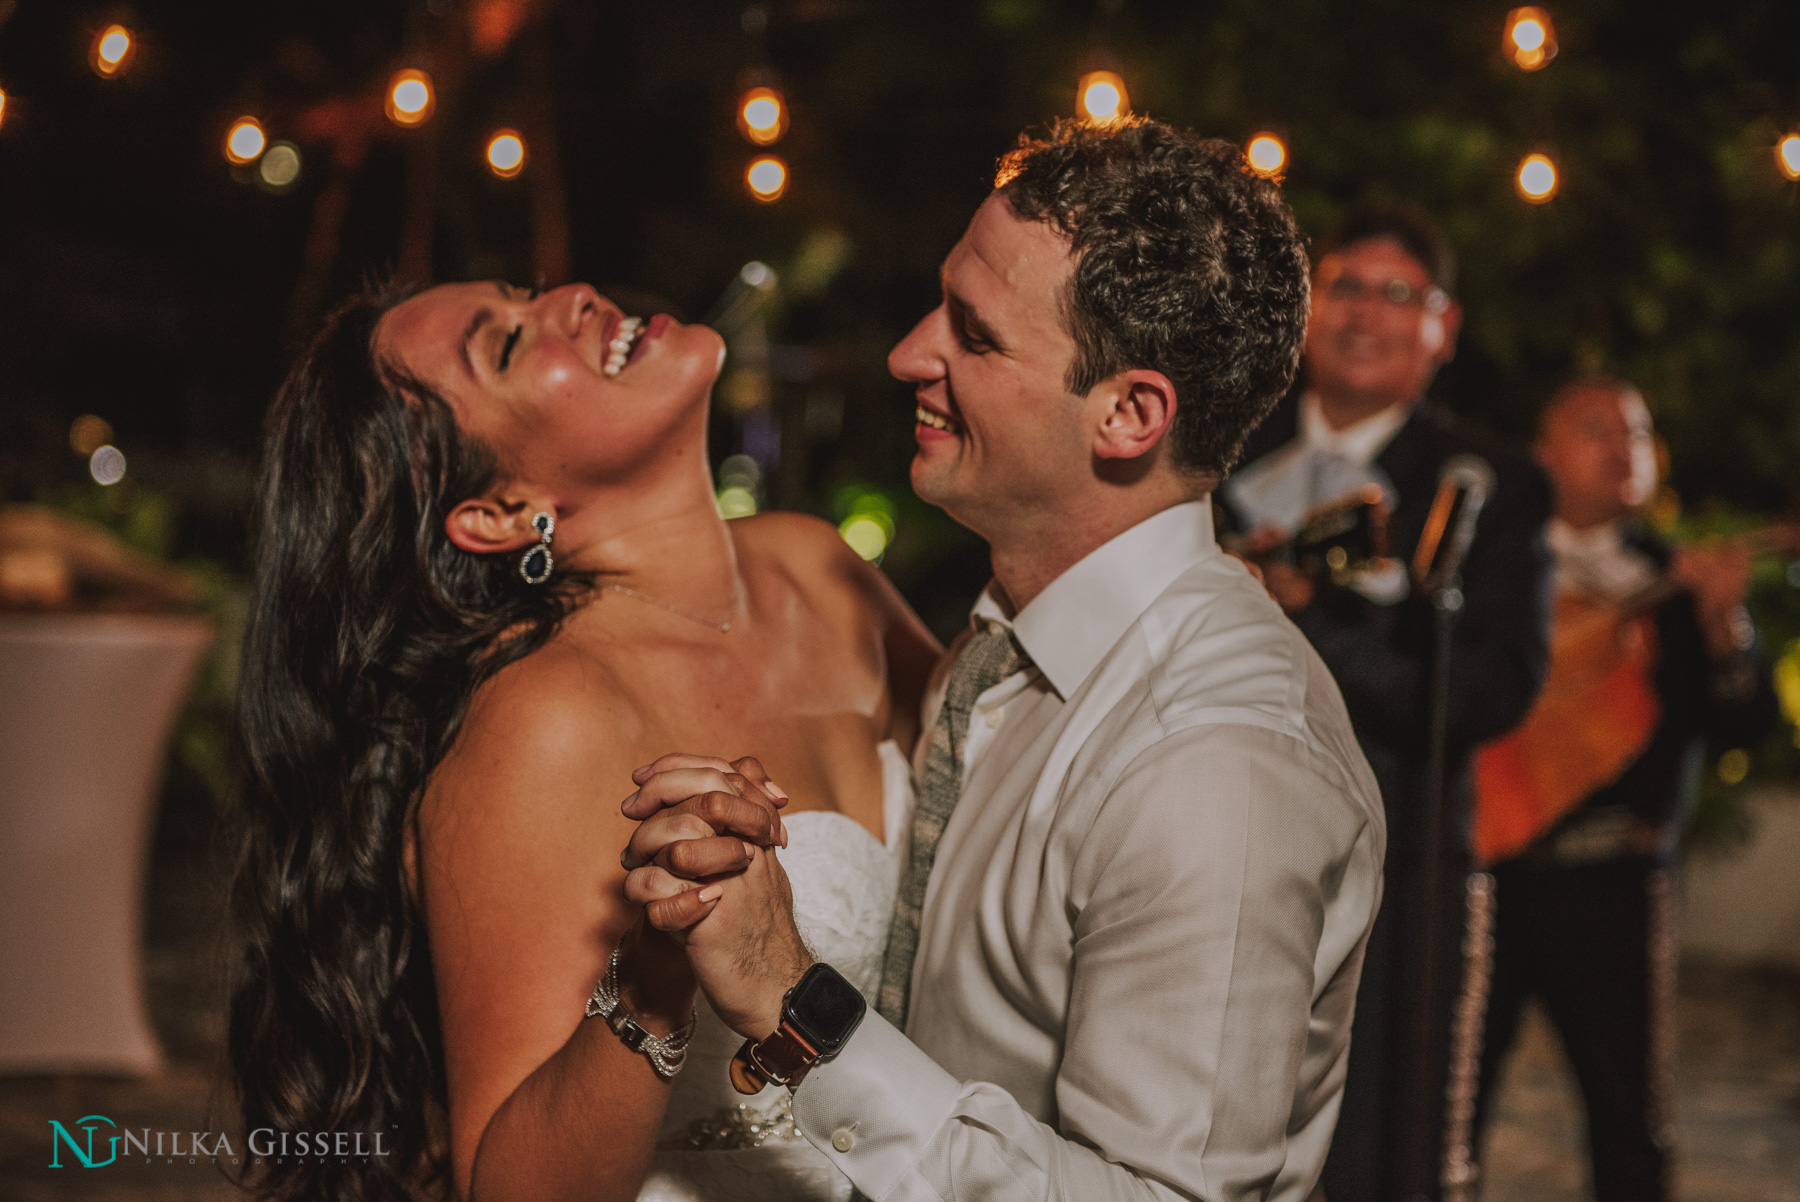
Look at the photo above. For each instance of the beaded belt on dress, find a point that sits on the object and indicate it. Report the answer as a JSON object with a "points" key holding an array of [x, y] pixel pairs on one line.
{"points": [[744, 1127]]}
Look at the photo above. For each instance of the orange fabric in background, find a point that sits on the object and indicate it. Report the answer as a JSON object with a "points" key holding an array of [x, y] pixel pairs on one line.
{"points": [[1594, 717]]}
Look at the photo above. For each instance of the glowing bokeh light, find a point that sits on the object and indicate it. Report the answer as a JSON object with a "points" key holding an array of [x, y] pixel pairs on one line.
{"points": [[865, 535], [1266, 154], [762, 116], [757, 274], [2, 106], [1734, 766], [280, 166], [736, 502], [244, 141], [1787, 156], [506, 153], [1103, 97], [112, 50], [1530, 37], [1537, 178], [107, 464], [88, 433], [410, 97], [767, 178]]}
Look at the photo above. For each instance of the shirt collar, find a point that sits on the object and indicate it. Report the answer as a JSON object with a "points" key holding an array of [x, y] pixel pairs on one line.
{"points": [[1070, 626], [1359, 442]]}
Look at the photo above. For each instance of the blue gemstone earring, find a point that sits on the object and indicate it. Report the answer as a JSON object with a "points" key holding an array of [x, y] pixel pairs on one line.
{"points": [[536, 563]]}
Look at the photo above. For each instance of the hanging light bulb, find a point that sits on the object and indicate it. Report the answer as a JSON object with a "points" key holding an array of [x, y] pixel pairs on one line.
{"points": [[1266, 154], [1530, 37], [112, 51], [1787, 156], [1537, 178], [244, 141], [767, 178], [410, 97], [1102, 96], [506, 153], [762, 116], [280, 167]]}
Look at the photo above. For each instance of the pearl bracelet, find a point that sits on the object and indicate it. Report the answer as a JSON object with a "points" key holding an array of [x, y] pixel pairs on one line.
{"points": [[666, 1053]]}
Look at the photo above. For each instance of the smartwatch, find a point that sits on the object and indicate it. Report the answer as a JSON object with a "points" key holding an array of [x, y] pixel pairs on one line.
{"points": [[818, 1016]]}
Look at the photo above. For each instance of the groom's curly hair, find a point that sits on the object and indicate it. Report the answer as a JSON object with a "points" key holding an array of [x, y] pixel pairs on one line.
{"points": [[1187, 263]]}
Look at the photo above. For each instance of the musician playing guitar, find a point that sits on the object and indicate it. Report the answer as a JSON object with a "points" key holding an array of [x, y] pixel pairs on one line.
{"points": [[1384, 320], [1614, 743]]}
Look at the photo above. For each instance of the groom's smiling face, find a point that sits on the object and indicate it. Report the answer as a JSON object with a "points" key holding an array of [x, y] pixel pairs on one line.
{"points": [[999, 433]]}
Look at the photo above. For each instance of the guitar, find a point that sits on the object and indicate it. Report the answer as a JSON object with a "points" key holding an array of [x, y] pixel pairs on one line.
{"points": [[1337, 539], [1595, 716]]}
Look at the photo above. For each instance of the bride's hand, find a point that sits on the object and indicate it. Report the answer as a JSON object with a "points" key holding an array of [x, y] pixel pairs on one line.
{"points": [[740, 935], [699, 813], [677, 779]]}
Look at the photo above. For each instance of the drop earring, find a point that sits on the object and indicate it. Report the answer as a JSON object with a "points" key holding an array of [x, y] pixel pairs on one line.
{"points": [[536, 563]]}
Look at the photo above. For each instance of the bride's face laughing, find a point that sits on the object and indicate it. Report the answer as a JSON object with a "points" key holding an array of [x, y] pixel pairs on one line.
{"points": [[567, 388]]}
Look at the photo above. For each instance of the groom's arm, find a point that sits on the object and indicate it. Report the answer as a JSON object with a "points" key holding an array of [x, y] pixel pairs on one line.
{"points": [[1222, 895]]}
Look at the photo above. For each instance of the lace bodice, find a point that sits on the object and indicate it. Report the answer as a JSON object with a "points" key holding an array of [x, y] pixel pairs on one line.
{"points": [[718, 1144]]}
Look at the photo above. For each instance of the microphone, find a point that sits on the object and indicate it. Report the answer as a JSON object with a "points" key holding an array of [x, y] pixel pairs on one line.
{"points": [[1464, 483]]}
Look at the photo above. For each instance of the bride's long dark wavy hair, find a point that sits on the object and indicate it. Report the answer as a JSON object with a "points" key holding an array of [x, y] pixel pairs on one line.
{"points": [[369, 633]]}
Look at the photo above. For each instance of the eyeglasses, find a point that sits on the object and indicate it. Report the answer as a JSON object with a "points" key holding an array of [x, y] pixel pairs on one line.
{"points": [[1398, 293]]}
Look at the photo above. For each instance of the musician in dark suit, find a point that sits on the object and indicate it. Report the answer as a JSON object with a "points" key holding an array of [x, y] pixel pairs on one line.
{"points": [[1583, 918], [1383, 321]]}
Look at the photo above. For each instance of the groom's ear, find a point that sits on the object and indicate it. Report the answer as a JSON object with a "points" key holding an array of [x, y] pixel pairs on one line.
{"points": [[489, 525], [1137, 409]]}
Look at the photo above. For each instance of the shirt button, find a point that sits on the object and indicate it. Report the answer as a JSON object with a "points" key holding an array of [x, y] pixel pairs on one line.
{"points": [[842, 1140], [993, 719]]}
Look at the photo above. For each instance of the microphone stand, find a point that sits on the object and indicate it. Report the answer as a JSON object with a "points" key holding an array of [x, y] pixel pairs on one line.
{"points": [[1473, 479]]}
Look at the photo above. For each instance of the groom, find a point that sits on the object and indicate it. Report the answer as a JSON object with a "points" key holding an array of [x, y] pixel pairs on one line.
{"points": [[1146, 852]]}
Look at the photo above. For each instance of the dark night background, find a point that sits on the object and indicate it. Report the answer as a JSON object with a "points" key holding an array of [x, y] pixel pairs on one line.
{"points": [[145, 280]]}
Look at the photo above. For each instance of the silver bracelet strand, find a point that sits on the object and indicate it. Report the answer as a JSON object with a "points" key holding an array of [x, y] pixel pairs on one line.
{"points": [[666, 1053]]}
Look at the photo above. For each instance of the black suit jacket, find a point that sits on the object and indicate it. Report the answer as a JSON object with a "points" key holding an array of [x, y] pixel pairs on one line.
{"points": [[1381, 655]]}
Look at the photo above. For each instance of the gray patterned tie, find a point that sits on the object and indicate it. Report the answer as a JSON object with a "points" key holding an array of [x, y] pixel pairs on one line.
{"points": [[988, 658]]}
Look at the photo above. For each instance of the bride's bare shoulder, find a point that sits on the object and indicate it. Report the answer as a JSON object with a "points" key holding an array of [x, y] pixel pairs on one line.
{"points": [[801, 546], [543, 725]]}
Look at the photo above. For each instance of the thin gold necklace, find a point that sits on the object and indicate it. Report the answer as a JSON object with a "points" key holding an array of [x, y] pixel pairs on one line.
{"points": [[721, 627]]}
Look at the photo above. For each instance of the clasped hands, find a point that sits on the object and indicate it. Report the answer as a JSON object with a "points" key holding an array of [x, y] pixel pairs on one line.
{"points": [[702, 865]]}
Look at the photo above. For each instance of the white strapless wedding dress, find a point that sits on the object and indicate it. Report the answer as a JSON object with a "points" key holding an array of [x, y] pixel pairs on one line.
{"points": [[718, 1145]]}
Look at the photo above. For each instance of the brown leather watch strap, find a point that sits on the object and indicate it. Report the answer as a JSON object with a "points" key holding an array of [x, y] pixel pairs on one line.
{"points": [[784, 1058]]}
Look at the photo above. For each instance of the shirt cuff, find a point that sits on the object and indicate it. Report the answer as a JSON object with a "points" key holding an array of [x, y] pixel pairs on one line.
{"points": [[876, 1106]]}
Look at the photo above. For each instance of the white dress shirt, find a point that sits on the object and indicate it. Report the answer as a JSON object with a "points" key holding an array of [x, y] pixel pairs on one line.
{"points": [[1320, 466], [1145, 922]]}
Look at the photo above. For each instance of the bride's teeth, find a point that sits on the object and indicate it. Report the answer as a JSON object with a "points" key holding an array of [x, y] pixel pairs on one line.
{"points": [[619, 349]]}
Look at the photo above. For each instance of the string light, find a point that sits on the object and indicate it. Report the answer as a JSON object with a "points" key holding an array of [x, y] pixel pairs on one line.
{"points": [[767, 178], [1266, 155], [762, 116], [245, 141], [1537, 178], [88, 433], [280, 167], [1103, 97], [506, 153], [1530, 37], [107, 465], [112, 50], [1787, 156], [410, 97]]}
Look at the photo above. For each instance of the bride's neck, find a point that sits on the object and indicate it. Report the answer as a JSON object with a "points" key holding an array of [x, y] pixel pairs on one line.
{"points": [[667, 542]]}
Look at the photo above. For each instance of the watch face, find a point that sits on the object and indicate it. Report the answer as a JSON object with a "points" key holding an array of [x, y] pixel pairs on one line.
{"points": [[825, 1008]]}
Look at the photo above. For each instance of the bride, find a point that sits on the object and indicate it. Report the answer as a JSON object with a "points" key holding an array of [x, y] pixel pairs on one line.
{"points": [[491, 583]]}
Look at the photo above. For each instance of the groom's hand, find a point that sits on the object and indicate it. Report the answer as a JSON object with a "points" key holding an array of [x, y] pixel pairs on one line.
{"points": [[698, 813], [740, 935]]}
